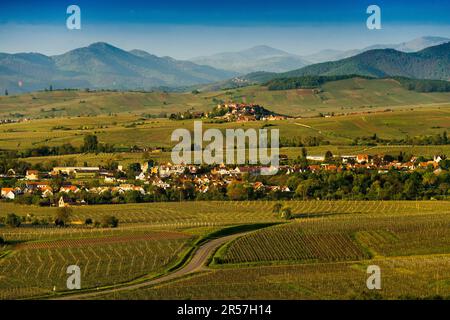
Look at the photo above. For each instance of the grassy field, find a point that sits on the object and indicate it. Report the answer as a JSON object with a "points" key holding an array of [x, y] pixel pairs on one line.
{"points": [[352, 95], [127, 130], [322, 253]]}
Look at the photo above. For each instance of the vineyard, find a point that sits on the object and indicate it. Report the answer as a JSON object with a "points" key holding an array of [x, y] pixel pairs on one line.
{"points": [[402, 278], [340, 237], [36, 268], [322, 253], [206, 213], [291, 243]]}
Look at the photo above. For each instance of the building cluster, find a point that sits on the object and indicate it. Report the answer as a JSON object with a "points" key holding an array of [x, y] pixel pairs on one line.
{"points": [[242, 112], [178, 176]]}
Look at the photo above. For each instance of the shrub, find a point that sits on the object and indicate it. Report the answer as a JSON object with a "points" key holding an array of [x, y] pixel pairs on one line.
{"points": [[63, 216], [286, 213], [110, 222], [277, 207], [13, 220]]}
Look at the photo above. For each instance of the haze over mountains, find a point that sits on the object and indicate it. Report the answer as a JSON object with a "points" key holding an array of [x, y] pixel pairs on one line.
{"points": [[265, 58], [409, 46], [259, 58], [101, 66]]}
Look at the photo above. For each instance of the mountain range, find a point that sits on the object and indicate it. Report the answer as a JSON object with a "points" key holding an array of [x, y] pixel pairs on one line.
{"points": [[259, 58], [409, 46], [268, 59], [101, 66], [429, 63]]}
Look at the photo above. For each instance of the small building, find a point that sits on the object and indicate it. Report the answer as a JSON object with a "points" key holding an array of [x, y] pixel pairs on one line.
{"points": [[8, 193], [362, 158], [32, 175], [67, 189]]}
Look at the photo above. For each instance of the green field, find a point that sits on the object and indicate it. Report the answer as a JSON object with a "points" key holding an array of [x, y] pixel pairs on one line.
{"points": [[338, 131], [322, 253], [352, 95]]}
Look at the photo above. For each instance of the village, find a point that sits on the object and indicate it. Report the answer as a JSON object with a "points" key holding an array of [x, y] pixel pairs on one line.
{"points": [[66, 186], [232, 112]]}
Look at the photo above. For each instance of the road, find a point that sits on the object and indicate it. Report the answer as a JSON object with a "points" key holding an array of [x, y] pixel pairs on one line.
{"points": [[197, 263]]}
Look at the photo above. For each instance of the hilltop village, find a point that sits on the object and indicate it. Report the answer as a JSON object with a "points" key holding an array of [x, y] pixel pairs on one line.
{"points": [[148, 181], [232, 112]]}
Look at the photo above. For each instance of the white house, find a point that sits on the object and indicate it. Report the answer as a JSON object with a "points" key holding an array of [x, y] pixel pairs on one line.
{"points": [[8, 193]]}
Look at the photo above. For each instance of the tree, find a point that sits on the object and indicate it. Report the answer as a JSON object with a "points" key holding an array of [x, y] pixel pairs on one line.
{"points": [[110, 222], [90, 143], [13, 220], [328, 156], [286, 213], [63, 215], [88, 221], [6, 92], [304, 153]]}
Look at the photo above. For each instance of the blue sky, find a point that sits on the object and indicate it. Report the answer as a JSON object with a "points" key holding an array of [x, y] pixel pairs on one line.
{"points": [[183, 29]]}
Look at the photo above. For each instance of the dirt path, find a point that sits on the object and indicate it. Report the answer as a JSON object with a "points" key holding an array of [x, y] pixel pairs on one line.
{"points": [[197, 263]]}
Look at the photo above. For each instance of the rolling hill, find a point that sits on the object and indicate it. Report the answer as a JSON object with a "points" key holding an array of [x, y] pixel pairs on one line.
{"points": [[408, 46], [430, 63], [345, 96], [101, 66]]}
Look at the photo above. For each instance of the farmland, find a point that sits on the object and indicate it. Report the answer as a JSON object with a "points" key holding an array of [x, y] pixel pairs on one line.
{"points": [[351, 95], [321, 253], [322, 256], [127, 130], [403, 278]]}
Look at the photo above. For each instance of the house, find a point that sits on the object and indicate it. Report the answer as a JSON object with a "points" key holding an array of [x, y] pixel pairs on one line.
{"points": [[361, 158], [142, 176], [64, 202], [71, 170], [315, 158], [258, 186], [314, 167], [85, 174], [47, 192], [32, 175], [439, 158], [8, 193], [67, 189]]}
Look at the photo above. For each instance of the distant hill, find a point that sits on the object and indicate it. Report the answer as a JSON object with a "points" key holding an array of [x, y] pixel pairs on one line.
{"points": [[98, 66], [430, 63], [408, 46], [259, 58]]}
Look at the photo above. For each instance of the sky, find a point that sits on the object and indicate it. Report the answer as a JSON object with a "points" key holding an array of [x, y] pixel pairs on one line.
{"points": [[189, 28]]}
